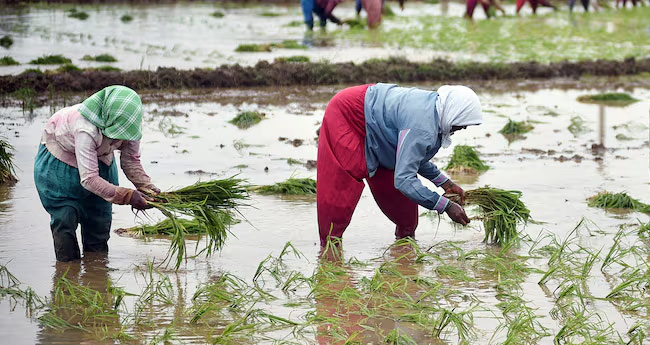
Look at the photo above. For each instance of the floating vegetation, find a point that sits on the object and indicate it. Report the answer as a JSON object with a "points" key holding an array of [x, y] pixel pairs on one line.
{"points": [[68, 67], [127, 18], [609, 200], [466, 160], [169, 128], [74, 13], [500, 210], [612, 98], [51, 60], [624, 137], [6, 41], [247, 119], [217, 14], [100, 58], [516, 128], [212, 204], [578, 126], [296, 58], [27, 96], [8, 61], [292, 186]]}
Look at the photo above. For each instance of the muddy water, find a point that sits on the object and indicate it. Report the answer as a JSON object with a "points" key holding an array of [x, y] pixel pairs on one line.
{"points": [[554, 189], [165, 35]]}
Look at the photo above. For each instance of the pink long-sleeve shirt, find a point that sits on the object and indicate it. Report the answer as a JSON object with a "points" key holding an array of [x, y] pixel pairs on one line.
{"points": [[72, 139]]}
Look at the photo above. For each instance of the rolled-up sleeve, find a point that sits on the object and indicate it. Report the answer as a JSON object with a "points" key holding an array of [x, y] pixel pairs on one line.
{"points": [[88, 165], [412, 147], [131, 165]]}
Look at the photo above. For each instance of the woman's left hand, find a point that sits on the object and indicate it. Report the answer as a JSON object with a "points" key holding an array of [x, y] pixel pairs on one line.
{"points": [[455, 189], [150, 190]]}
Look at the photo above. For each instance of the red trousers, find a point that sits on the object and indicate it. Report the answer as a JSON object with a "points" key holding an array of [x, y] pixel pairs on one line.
{"points": [[342, 167], [533, 4]]}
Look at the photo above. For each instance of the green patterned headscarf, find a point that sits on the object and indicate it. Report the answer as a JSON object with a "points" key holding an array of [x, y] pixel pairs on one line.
{"points": [[116, 110]]}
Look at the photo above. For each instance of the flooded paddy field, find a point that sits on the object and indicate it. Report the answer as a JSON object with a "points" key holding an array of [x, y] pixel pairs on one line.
{"points": [[578, 275], [421, 32]]}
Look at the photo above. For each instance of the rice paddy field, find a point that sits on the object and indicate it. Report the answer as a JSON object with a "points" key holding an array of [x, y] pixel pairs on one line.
{"points": [[574, 270]]}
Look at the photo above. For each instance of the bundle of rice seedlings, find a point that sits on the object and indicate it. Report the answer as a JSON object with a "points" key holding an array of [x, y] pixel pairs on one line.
{"points": [[465, 159], [247, 119], [126, 18], [292, 186], [617, 200], [166, 227], [609, 98], [501, 212], [7, 172], [211, 204], [8, 61], [516, 128]]}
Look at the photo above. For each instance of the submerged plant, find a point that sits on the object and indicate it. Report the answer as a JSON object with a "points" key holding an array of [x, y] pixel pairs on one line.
{"points": [[292, 186], [617, 200], [610, 98], [51, 60], [466, 159], [247, 119], [210, 203], [6, 41], [577, 126], [8, 61], [100, 58]]}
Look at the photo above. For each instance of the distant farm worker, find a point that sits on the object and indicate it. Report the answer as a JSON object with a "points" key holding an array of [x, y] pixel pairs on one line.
{"points": [[322, 8], [387, 135], [585, 5], [533, 4], [470, 5], [374, 9], [75, 170]]}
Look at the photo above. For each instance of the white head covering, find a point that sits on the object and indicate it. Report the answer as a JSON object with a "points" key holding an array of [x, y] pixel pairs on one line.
{"points": [[457, 106]]}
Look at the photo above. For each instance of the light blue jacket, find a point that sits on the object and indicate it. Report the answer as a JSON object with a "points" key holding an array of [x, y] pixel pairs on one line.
{"points": [[402, 135]]}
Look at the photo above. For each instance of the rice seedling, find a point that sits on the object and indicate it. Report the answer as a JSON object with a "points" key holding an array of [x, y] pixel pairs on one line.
{"points": [[270, 14], [36, 71], [296, 58], [81, 15], [578, 126], [6, 41], [68, 67], [292, 186], [100, 58], [295, 23], [106, 69], [8, 61], [217, 14], [247, 119], [465, 159], [51, 60], [500, 210], [621, 200], [127, 18], [610, 98], [169, 128], [211, 204], [253, 48], [289, 44], [27, 96], [395, 337], [514, 129], [7, 169], [166, 227]]}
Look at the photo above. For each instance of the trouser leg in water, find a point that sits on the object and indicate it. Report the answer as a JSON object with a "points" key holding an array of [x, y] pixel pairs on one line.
{"points": [[402, 211]]}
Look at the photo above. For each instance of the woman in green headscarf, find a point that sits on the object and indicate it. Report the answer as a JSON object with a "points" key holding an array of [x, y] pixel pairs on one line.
{"points": [[75, 171]]}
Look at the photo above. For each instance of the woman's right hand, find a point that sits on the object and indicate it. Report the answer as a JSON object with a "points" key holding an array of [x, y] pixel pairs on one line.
{"points": [[139, 201], [457, 213]]}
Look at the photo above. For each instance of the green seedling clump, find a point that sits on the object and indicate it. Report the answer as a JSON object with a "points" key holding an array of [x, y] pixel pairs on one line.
{"points": [[78, 14], [611, 98], [253, 48], [6, 41], [211, 204], [292, 186], [217, 14], [7, 171], [8, 61], [289, 44], [355, 23], [32, 70], [466, 159], [27, 96], [167, 227], [247, 119], [100, 58], [297, 58], [501, 212], [295, 23], [51, 60], [126, 18], [617, 201], [270, 14], [68, 68], [577, 126], [516, 128]]}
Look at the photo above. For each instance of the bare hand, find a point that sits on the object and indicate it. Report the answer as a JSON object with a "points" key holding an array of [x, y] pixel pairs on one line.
{"points": [[139, 201], [455, 189], [457, 213]]}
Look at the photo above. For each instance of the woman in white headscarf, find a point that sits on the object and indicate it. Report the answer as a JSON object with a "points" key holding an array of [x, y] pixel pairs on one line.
{"points": [[387, 135]]}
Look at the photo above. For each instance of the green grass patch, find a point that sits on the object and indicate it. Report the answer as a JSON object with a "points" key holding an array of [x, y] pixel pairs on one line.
{"points": [[296, 58], [81, 15], [622, 200], [100, 58], [7, 170], [247, 119], [51, 60], [6, 41], [611, 98], [292, 186], [465, 159], [68, 68], [127, 18], [578, 126], [106, 69], [8, 61]]}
